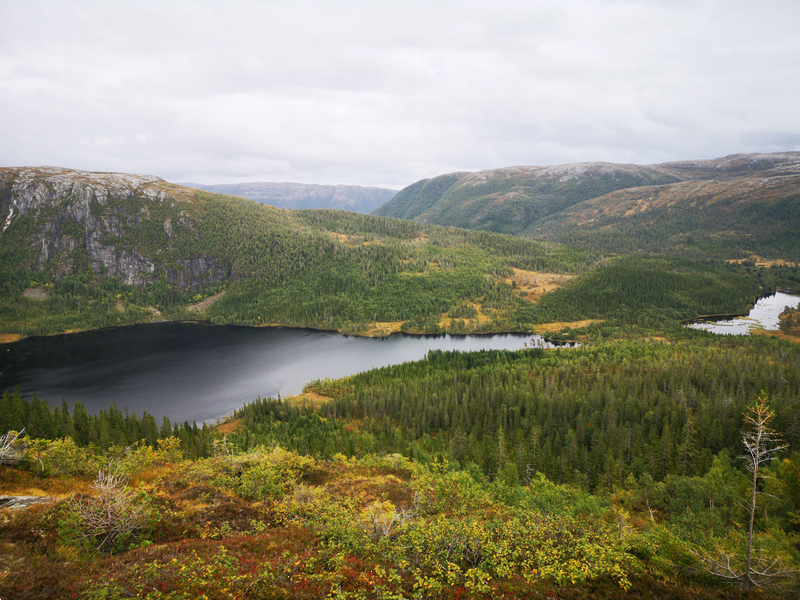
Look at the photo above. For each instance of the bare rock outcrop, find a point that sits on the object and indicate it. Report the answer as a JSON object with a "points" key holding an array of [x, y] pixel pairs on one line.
{"points": [[20, 502], [98, 218]]}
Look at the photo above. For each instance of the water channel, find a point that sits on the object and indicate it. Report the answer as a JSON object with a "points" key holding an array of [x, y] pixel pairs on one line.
{"points": [[193, 371]]}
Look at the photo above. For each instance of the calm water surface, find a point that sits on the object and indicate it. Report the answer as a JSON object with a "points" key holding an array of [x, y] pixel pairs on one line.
{"points": [[191, 371], [764, 314]]}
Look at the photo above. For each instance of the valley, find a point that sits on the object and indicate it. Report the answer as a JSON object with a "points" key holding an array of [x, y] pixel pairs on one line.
{"points": [[298, 196]]}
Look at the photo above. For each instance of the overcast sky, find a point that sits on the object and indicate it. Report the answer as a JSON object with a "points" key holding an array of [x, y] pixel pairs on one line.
{"points": [[386, 93]]}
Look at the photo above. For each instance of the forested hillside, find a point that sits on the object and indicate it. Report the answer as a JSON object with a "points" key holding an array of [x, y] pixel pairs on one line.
{"points": [[590, 416], [508, 200], [728, 219], [87, 250], [727, 208], [608, 469]]}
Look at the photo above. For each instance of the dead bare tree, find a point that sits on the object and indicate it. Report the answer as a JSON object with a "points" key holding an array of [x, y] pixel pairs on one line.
{"points": [[762, 444], [117, 512], [762, 571], [385, 523], [10, 454]]}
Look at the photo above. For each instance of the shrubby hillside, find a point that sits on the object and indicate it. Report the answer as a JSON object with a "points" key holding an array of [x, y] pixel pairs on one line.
{"points": [[732, 207], [608, 471]]}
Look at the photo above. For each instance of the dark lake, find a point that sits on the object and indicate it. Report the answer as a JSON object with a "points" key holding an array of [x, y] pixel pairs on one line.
{"points": [[192, 371]]}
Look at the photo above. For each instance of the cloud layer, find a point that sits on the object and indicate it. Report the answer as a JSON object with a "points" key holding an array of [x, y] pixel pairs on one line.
{"points": [[373, 92]]}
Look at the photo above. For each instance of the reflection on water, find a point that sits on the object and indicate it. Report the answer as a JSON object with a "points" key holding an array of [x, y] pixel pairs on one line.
{"points": [[764, 315], [191, 371]]}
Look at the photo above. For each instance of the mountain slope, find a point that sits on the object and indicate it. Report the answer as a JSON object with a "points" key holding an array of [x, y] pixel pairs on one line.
{"points": [[84, 250], [355, 198], [726, 207], [413, 201], [728, 219], [735, 165], [505, 200]]}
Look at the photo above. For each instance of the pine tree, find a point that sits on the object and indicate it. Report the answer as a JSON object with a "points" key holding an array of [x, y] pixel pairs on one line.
{"points": [[82, 424], [63, 421]]}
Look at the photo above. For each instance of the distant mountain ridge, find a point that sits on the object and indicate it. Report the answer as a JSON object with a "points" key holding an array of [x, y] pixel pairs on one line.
{"points": [[355, 198], [505, 199], [726, 206]]}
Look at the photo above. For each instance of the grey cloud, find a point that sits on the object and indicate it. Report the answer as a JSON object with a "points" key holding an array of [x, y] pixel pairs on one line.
{"points": [[388, 93]]}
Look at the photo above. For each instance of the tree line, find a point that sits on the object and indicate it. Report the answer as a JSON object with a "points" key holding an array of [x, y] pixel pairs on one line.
{"points": [[589, 416], [110, 429]]}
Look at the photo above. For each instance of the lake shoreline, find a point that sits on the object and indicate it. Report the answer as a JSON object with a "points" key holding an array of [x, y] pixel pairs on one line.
{"points": [[194, 370], [21, 337]]}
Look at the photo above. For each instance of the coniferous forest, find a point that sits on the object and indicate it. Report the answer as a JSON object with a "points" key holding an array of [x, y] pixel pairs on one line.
{"points": [[644, 460]]}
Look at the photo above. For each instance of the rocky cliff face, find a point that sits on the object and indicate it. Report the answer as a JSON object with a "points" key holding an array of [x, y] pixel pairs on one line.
{"points": [[105, 221]]}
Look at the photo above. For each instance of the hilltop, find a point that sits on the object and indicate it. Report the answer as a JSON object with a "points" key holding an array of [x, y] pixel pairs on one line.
{"points": [[731, 207], [356, 198]]}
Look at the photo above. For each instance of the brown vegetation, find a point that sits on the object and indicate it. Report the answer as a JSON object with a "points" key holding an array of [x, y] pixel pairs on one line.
{"points": [[532, 284], [308, 399], [37, 293], [204, 304], [561, 325], [228, 427], [762, 262], [383, 328]]}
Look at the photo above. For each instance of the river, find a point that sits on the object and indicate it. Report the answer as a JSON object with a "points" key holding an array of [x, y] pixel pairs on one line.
{"points": [[194, 371]]}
